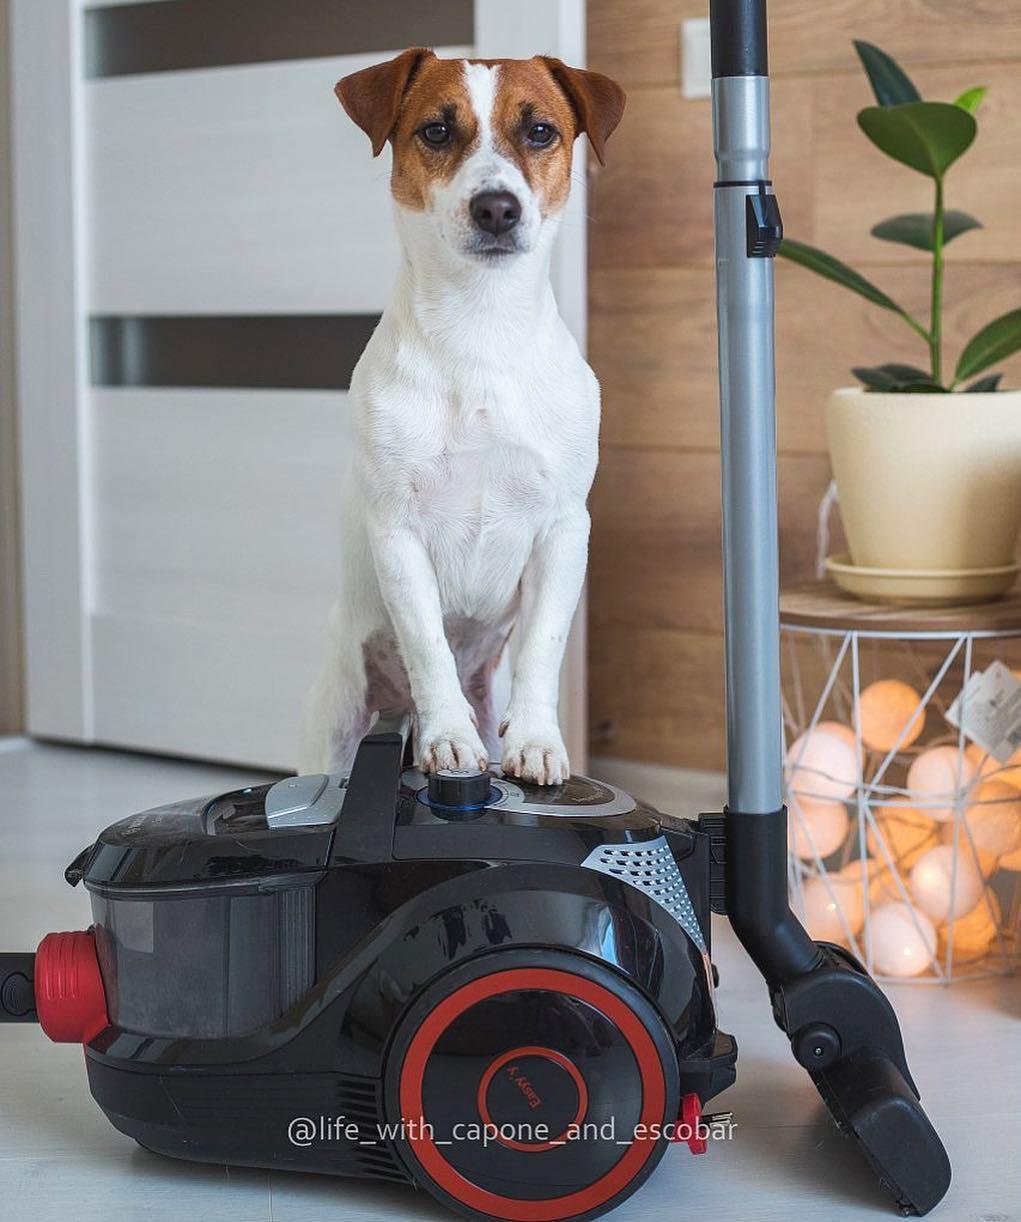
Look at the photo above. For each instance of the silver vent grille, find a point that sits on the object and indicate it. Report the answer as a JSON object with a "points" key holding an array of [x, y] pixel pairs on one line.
{"points": [[649, 866]]}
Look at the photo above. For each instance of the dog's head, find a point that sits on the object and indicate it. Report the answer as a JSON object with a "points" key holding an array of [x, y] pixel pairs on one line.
{"points": [[482, 148]]}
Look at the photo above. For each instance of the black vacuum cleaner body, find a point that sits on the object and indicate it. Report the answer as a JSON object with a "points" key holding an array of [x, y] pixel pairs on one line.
{"points": [[500, 992]]}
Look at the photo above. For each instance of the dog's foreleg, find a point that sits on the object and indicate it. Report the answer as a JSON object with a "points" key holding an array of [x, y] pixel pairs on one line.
{"points": [[446, 736], [550, 587]]}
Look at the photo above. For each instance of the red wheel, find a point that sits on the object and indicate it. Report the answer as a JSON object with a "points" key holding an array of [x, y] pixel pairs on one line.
{"points": [[531, 1086]]}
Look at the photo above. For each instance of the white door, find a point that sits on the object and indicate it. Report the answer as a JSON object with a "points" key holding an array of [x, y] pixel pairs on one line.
{"points": [[203, 244]]}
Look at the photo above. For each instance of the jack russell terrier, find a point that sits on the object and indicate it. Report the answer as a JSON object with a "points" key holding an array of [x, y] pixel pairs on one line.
{"points": [[476, 421]]}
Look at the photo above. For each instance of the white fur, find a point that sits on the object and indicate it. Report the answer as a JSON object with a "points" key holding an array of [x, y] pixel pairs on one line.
{"points": [[464, 511]]}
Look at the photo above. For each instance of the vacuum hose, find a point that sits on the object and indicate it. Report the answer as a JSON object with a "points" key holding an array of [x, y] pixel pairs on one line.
{"points": [[17, 989]]}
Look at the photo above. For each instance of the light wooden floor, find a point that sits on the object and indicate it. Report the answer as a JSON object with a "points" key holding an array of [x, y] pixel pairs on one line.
{"points": [[59, 1157]]}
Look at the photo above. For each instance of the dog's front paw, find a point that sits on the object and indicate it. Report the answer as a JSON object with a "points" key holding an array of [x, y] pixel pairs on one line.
{"points": [[450, 741], [534, 752]]}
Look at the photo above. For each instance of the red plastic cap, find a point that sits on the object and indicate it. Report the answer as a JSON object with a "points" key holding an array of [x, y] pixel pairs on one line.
{"points": [[691, 1119], [69, 995]]}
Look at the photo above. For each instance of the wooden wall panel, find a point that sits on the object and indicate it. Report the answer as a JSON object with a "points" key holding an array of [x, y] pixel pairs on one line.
{"points": [[639, 42], [654, 600], [652, 342], [657, 695], [655, 558]]}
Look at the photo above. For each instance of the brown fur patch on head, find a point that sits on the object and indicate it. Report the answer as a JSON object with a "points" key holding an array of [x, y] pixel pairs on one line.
{"points": [[527, 98], [597, 100], [438, 94]]}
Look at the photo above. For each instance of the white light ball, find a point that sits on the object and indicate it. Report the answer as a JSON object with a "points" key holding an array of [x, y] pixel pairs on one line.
{"points": [[936, 890], [835, 905], [885, 708], [936, 776], [823, 763], [815, 827], [994, 818], [903, 940]]}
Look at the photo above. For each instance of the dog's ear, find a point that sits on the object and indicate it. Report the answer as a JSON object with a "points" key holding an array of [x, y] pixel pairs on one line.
{"points": [[373, 96], [598, 101]]}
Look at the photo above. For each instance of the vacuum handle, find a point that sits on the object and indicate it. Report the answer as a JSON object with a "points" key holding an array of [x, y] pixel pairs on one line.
{"points": [[748, 232], [738, 37]]}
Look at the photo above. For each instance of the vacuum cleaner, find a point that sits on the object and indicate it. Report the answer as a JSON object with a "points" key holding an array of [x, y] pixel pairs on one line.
{"points": [[498, 992]]}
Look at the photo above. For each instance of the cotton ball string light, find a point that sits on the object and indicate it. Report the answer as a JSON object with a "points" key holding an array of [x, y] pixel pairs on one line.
{"points": [[903, 940], [815, 827], [823, 762], [888, 709], [935, 777], [984, 862], [989, 766], [906, 833], [939, 890], [1011, 861], [994, 818], [835, 905], [973, 933]]}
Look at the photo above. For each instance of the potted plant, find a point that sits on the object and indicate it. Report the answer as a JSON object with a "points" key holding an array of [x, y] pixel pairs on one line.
{"points": [[928, 479]]}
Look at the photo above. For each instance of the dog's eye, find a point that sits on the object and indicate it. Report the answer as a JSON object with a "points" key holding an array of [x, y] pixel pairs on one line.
{"points": [[435, 133], [541, 135]]}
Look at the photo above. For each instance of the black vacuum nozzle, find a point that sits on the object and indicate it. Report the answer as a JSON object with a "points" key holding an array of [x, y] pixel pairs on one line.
{"points": [[841, 1026]]}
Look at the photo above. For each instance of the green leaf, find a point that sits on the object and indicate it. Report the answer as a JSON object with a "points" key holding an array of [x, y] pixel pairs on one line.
{"points": [[915, 228], [999, 339], [889, 81], [971, 99], [896, 378], [887, 377], [989, 382], [927, 136], [832, 269]]}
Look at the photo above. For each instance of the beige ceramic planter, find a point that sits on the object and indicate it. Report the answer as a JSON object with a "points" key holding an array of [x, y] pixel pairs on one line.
{"points": [[927, 482]]}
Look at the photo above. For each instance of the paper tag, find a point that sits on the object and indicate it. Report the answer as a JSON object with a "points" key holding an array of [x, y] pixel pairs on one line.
{"points": [[988, 711]]}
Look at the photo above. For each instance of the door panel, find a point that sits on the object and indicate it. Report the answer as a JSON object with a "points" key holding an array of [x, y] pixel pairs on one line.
{"points": [[201, 251]]}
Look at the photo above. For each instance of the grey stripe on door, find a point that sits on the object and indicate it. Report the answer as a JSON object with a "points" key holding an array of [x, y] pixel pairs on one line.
{"points": [[178, 34], [286, 351]]}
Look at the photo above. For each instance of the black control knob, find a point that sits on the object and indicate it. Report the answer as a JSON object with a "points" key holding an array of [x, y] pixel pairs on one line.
{"points": [[459, 788]]}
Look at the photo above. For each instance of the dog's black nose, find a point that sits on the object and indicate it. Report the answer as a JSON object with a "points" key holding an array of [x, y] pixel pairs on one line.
{"points": [[495, 212]]}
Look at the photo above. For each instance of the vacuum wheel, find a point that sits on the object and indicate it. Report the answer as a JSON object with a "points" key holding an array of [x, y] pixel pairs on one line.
{"points": [[531, 1086]]}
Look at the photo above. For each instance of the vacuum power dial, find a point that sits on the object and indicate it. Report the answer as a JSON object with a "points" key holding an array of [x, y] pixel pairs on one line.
{"points": [[459, 788]]}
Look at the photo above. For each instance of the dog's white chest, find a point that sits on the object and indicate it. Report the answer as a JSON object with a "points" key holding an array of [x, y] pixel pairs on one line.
{"points": [[478, 500]]}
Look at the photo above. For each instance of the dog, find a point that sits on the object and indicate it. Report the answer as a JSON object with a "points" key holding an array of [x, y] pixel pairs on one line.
{"points": [[476, 422]]}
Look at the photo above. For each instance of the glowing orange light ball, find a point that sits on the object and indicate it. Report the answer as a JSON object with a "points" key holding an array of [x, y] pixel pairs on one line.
{"points": [[988, 766], [906, 833], [887, 710], [973, 933], [994, 818]]}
